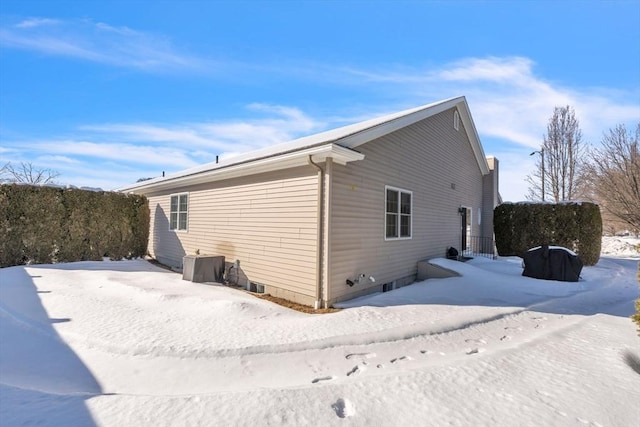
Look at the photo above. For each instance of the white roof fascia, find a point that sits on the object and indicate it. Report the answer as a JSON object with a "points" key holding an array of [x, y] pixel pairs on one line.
{"points": [[421, 113], [402, 120], [319, 154], [350, 136], [472, 134]]}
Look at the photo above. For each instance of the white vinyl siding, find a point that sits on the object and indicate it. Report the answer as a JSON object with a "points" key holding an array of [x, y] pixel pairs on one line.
{"points": [[398, 208], [179, 209], [268, 222], [427, 158]]}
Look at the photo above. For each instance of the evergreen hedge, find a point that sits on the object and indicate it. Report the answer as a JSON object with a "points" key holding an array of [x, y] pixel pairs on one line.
{"points": [[519, 227], [43, 225]]}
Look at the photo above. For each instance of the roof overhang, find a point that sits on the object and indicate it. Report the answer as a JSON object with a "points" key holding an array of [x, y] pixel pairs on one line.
{"points": [[337, 144], [364, 136], [319, 154]]}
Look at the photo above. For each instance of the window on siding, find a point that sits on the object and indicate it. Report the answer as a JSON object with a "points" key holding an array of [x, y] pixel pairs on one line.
{"points": [[456, 120], [179, 212], [398, 213]]}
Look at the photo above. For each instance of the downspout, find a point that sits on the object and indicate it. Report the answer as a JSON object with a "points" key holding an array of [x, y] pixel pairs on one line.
{"points": [[320, 243]]}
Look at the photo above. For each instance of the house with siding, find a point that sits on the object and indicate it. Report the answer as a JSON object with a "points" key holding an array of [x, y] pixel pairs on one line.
{"points": [[335, 215]]}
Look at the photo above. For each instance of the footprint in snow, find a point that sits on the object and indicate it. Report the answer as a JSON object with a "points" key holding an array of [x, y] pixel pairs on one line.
{"points": [[343, 408], [363, 355], [426, 352], [478, 341], [356, 370], [317, 380], [399, 359], [591, 423]]}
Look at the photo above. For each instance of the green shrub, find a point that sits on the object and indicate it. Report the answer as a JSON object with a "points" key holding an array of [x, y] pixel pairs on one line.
{"points": [[521, 226], [41, 225]]}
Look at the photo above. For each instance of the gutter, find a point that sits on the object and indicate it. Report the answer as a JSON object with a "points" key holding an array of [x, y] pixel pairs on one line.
{"points": [[216, 172], [320, 244]]}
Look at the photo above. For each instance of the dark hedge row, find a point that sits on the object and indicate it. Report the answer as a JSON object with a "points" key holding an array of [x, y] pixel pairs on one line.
{"points": [[521, 226], [43, 225]]}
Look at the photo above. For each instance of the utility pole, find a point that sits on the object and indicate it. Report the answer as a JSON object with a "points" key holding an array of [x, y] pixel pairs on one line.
{"points": [[541, 152]]}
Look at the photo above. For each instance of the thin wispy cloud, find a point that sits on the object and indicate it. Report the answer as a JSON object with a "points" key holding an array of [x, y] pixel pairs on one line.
{"points": [[510, 69], [99, 42], [508, 99], [49, 159], [281, 124], [119, 152], [35, 22], [145, 150], [510, 103]]}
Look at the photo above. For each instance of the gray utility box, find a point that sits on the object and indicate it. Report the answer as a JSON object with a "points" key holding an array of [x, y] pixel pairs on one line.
{"points": [[203, 268]]}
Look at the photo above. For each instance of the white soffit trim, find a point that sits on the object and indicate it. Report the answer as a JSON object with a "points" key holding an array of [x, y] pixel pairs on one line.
{"points": [[340, 155]]}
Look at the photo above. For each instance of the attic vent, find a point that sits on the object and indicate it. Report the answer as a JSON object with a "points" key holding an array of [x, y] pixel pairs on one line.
{"points": [[456, 120]]}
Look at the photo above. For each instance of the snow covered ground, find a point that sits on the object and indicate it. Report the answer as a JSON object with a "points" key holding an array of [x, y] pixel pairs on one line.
{"points": [[128, 344], [621, 246]]}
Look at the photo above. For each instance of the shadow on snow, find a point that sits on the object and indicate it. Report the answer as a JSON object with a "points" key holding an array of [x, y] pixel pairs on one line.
{"points": [[42, 380]]}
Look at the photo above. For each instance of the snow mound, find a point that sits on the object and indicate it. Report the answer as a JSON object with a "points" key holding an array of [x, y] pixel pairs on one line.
{"points": [[620, 246]]}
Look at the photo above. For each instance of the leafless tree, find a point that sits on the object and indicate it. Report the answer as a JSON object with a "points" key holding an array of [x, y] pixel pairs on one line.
{"points": [[614, 174], [562, 156], [27, 173]]}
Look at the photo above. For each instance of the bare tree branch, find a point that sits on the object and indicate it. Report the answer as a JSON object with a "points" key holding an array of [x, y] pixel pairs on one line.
{"points": [[614, 172], [563, 158], [27, 173]]}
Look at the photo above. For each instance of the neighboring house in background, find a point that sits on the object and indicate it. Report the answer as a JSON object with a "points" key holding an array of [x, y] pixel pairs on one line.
{"points": [[312, 220]]}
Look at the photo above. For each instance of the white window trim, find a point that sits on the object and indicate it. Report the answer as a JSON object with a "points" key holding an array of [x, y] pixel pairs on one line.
{"points": [[399, 190], [179, 230], [456, 120]]}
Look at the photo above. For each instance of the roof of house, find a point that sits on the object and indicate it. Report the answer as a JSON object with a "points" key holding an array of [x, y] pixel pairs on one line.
{"points": [[337, 143]]}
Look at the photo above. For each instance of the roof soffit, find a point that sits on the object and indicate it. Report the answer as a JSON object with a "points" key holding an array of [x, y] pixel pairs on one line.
{"points": [[338, 154]]}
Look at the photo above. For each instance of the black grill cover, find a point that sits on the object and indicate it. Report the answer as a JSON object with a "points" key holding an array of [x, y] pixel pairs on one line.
{"points": [[552, 264]]}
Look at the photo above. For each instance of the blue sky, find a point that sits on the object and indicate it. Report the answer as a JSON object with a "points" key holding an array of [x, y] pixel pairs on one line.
{"points": [[106, 92]]}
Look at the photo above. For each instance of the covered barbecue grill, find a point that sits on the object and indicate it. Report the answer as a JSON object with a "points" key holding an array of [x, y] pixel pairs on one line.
{"points": [[552, 263]]}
